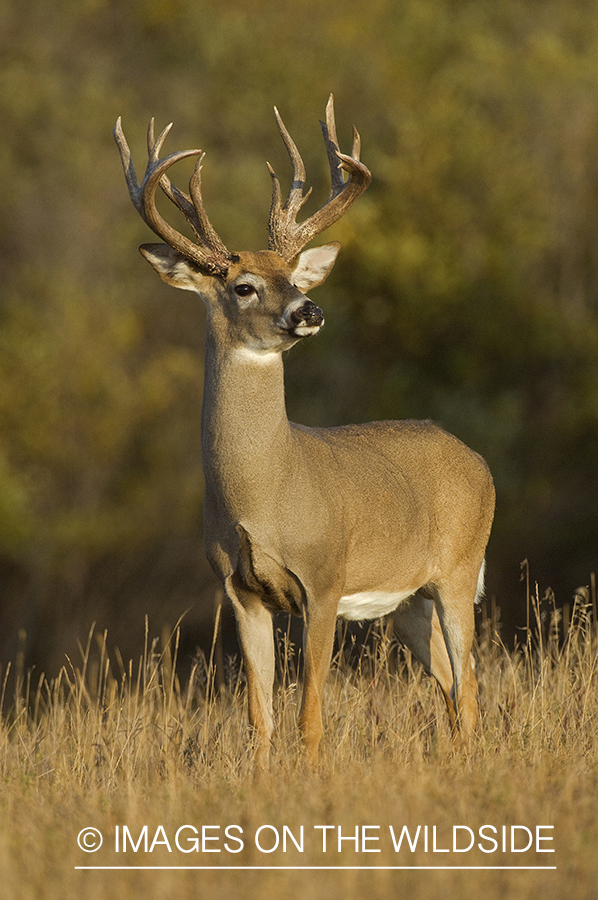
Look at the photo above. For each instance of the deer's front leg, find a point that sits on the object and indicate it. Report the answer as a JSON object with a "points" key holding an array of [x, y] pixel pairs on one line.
{"points": [[318, 643], [256, 637]]}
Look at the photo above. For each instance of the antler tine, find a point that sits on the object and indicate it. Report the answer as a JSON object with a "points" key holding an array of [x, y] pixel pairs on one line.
{"points": [[331, 140], [286, 235], [128, 166], [356, 150], [210, 254], [179, 198], [295, 198], [203, 227]]}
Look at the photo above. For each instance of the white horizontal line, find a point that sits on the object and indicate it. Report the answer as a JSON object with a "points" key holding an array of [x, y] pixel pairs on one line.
{"points": [[318, 868]]}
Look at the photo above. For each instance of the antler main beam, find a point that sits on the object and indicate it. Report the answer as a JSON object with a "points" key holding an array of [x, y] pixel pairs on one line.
{"points": [[210, 252], [286, 235]]}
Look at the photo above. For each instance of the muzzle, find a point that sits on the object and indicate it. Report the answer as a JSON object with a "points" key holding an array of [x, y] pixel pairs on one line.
{"points": [[308, 314]]}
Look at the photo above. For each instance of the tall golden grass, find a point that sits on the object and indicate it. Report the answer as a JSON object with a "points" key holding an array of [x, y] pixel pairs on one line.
{"points": [[108, 744]]}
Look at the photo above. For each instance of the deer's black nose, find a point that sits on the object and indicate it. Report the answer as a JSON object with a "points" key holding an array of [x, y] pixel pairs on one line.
{"points": [[307, 314]]}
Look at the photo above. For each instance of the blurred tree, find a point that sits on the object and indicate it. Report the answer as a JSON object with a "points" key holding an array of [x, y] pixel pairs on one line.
{"points": [[467, 290]]}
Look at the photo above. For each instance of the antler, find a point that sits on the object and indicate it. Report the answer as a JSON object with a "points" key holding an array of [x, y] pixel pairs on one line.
{"points": [[286, 235], [209, 253]]}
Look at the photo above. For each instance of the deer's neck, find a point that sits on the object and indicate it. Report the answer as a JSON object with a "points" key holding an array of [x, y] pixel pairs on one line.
{"points": [[245, 430]]}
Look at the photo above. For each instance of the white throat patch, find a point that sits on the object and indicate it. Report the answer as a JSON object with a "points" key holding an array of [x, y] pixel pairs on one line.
{"points": [[255, 355]]}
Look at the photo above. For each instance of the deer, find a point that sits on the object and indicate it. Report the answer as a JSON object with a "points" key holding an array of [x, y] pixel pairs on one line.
{"points": [[354, 521]]}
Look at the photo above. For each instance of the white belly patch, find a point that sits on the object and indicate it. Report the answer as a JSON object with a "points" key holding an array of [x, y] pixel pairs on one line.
{"points": [[370, 604]]}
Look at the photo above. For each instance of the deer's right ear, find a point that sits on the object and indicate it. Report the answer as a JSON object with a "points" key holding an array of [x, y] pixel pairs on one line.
{"points": [[172, 267]]}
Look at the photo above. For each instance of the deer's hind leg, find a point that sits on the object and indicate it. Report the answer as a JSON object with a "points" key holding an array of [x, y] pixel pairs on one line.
{"points": [[455, 607], [417, 625]]}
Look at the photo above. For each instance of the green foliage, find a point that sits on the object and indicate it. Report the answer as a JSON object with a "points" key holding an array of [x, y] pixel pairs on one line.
{"points": [[467, 290], [89, 464]]}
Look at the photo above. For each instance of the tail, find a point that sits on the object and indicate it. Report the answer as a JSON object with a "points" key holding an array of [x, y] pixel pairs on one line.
{"points": [[481, 590]]}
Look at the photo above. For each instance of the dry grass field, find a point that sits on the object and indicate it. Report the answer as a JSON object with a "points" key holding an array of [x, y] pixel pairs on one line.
{"points": [[164, 772]]}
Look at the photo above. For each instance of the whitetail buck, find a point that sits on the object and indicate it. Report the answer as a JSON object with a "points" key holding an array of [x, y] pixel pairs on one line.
{"points": [[355, 521]]}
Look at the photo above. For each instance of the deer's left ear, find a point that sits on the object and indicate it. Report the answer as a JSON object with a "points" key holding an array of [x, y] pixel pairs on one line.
{"points": [[314, 266]]}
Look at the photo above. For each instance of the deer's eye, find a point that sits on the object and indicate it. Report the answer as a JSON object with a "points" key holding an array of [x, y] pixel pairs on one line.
{"points": [[244, 290]]}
